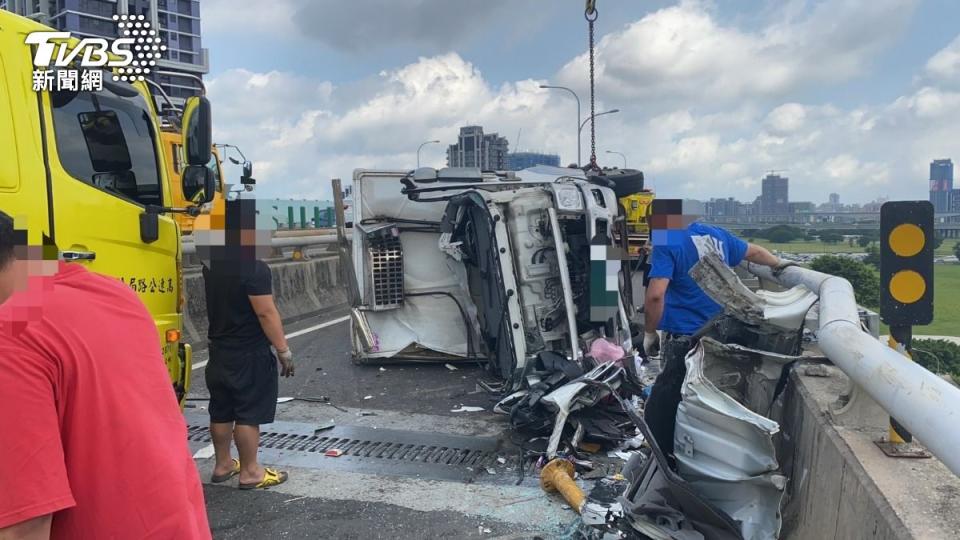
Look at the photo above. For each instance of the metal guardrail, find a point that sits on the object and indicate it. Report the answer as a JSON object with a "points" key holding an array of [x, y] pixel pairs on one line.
{"points": [[923, 402], [295, 241]]}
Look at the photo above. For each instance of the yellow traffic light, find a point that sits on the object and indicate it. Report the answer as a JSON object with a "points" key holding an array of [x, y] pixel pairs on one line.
{"points": [[906, 240], [907, 286], [906, 263]]}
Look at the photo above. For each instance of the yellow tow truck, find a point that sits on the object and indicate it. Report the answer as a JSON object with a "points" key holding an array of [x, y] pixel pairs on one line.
{"points": [[172, 141], [86, 170]]}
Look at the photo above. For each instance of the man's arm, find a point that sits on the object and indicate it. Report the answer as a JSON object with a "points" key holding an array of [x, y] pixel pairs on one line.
{"points": [[270, 321], [37, 528], [761, 255], [33, 451], [653, 303]]}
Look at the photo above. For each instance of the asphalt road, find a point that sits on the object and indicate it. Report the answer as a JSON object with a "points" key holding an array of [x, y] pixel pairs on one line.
{"points": [[320, 501]]}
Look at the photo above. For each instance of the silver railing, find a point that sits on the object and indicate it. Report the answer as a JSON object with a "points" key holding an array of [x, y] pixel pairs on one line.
{"points": [[927, 405]]}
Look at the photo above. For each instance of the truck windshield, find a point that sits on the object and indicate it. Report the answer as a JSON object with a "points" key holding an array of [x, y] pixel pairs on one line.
{"points": [[214, 165], [106, 139]]}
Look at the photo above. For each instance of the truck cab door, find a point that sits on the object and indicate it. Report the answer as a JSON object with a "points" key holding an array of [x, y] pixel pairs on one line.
{"points": [[105, 169]]}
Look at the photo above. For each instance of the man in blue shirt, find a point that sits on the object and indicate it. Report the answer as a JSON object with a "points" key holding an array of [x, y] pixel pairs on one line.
{"points": [[677, 306]]}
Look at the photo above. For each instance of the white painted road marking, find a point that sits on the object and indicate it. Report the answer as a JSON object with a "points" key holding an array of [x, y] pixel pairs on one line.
{"points": [[204, 453], [297, 333], [318, 327]]}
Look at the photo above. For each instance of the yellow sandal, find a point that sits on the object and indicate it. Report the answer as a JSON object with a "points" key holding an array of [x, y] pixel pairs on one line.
{"points": [[271, 477], [219, 478]]}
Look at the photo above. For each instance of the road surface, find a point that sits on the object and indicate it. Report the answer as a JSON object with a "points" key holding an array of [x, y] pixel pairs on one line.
{"points": [[346, 497]]}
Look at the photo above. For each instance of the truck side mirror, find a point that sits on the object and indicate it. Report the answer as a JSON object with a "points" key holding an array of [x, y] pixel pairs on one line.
{"points": [[197, 130], [247, 177], [199, 183]]}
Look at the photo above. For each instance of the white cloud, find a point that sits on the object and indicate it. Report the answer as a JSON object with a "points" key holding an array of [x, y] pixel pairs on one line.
{"points": [[709, 108], [787, 118], [682, 52], [945, 64]]}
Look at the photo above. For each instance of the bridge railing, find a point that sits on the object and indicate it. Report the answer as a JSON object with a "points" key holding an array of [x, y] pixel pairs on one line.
{"points": [[927, 405]]}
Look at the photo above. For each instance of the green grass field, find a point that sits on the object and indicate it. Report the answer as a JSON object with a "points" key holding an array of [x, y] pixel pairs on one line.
{"points": [[946, 302], [819, 247]]}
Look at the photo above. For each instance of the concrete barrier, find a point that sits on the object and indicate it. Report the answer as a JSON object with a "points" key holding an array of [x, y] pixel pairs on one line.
{"points": [[300, 289], [842, 485]]}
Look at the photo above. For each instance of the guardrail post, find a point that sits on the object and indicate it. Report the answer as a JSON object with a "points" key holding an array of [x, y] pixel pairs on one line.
{"points": [[899, 441], [316, 217], [289, 217], [303, 217]]}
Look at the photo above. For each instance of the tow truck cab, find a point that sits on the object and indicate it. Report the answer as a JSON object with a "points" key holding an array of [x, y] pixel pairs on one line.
{"points": [[172, 142], [85, 170]]}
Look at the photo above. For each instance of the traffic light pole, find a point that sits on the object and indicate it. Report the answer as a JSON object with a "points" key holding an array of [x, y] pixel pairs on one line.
{"points": [[901, 338], [906, 294]]}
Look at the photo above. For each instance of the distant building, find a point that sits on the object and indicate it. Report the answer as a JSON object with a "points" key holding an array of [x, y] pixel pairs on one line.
{"points": [[774, 196], [518, 161], [941, 185], [800, 206], [178, 22], [720, 209], [694, 207], [874, 205], [476, 149]]}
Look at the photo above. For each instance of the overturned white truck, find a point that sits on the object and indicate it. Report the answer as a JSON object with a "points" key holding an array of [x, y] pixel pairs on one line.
{"points": [[504, 268]]}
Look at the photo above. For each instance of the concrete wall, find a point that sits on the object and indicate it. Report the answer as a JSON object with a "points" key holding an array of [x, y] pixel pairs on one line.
{"points": [[830, 495], [300, 289]]}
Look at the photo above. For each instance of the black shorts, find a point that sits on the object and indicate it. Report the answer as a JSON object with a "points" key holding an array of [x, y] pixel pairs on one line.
{"points": [[242, 385]]}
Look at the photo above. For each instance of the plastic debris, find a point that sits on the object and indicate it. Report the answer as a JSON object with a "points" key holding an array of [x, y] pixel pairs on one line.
{"points": [[333, 452], [603, 350], [467, 408], [383, 369], [491, 470], [324, 427], [501, 460], [367, 397], [366, 413], [450, 367], [284, 399]]}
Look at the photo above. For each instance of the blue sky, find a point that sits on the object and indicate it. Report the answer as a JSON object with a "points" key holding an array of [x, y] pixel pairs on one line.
{"points": [[846, 95]]}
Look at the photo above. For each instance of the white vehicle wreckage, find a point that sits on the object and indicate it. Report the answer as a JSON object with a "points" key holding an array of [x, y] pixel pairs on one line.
{"points": [[457, 264], [517, 270]]}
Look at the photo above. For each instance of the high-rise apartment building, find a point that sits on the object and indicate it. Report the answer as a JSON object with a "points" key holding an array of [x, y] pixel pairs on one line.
{"points": [[476, 149], [774, 195], [941, 185], [178, 22]]}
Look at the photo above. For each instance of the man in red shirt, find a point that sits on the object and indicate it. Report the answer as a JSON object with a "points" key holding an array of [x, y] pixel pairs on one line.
{"points": [[92, 442]]}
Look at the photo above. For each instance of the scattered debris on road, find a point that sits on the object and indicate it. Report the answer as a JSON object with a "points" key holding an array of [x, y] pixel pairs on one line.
{"points": [[467, 408]]}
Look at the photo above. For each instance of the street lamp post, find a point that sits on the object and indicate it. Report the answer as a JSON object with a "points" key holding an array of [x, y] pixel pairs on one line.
{"points": [[587, 119], [578, 113], [621, 154], [420, 147]]}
